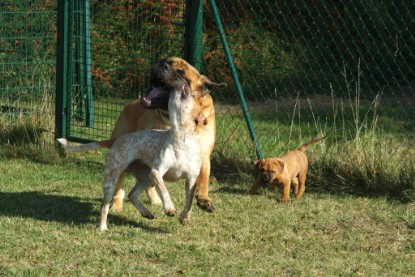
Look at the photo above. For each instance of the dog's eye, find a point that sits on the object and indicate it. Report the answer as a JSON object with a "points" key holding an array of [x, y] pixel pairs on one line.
{"points": [[180, 71]]}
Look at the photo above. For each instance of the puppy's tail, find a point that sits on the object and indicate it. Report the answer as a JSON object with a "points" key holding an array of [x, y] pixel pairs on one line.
{"points": [[307, 144], [85, 147]]}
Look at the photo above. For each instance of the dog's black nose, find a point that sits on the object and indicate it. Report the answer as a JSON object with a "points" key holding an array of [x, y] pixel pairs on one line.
{"points": [[165, 66], [266, 178]]}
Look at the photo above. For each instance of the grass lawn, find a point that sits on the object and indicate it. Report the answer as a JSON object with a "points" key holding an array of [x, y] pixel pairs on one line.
{"points": [[49, 211]]}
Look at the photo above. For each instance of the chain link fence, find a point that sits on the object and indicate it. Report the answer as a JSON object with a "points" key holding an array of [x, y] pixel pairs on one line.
{"points": [[313, 67], [27, 63], [123, 40], [306, 68]]}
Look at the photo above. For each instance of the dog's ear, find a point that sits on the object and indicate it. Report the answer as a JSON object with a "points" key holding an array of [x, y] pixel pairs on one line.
{"points": [[280, 165], [209, 84]]}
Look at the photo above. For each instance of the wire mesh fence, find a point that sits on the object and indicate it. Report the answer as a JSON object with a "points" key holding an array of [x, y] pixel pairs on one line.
{"points": [[126, 38], [305, 67], [313, 67], [27, 59]]}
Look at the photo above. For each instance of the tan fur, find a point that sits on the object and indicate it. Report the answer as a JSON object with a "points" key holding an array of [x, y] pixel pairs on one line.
{"points": [[135, 117], [281, 172]]}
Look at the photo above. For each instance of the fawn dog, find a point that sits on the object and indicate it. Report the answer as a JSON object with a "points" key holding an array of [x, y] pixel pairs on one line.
{"points": [[150, 112], [290, 168]]}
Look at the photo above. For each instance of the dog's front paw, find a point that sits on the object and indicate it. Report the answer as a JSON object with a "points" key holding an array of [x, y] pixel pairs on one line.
{"points": [[148, 215], [103, 228], [184, 218], [171, 212], [205, 204]]}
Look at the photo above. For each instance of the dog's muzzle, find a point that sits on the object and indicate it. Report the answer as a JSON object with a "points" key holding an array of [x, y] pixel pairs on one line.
{"points": [[266, 178], [162, 80], [156, 97]]}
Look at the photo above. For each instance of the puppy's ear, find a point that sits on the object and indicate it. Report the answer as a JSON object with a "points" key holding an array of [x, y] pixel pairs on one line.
{"points": [[280, 165]]}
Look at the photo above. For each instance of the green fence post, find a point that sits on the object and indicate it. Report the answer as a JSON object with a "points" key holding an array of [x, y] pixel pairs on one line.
{"points": [[61, 111], [193, 33], [80, 57], [89, 97], [235, 78]]}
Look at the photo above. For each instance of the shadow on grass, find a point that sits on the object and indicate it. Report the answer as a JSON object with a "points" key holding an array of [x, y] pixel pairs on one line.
{"points": [[65, 209], [233, 172], [37, 205]]}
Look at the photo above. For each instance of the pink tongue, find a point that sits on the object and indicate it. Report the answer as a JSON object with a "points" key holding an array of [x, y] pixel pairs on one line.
{"points": [[154, 93]]}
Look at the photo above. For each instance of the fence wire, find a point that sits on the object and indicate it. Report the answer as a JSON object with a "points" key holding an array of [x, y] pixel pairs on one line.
{"points": [[306, 67], [126, 39], [27, 59], [309, 68]]}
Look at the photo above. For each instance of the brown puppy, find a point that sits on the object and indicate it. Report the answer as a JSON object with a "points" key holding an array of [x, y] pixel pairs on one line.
{"points": [[150, 112], [291, 168]]}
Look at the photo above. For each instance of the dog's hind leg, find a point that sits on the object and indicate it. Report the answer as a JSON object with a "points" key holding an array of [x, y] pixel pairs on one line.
{"points": [[295, 184], [105, 207], [157, 179], [119, 194], [190, 190], [301, 184], [108, 192], [202, 195], [112, 174], [153, 196], [143, 181]]}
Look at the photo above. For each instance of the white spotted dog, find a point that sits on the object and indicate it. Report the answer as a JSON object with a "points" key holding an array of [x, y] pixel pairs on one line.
{"points": [[154, 155]]}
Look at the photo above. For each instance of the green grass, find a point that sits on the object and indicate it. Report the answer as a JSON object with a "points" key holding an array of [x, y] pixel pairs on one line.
{"points": [[357, 217], [49, 211]]}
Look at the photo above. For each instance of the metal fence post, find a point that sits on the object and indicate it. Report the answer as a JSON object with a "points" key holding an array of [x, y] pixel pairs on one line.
{"points": [[61, 111], [193, 33], [89, 97], [80, 58], [235, 78]]}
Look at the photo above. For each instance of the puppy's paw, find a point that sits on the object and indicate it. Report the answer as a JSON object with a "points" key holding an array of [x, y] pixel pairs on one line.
{"points": [[205, 204]]}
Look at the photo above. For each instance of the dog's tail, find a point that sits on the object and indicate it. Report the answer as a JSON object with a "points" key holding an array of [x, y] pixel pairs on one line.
{"points": [[307, 144], [85, 147]]}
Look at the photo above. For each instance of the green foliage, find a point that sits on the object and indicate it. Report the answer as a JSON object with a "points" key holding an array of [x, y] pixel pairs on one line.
{"points": [[305, 46], [128, 37]]}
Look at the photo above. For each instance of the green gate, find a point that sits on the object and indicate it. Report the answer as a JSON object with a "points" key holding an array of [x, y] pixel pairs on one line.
{"points": [[104, 56]]}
